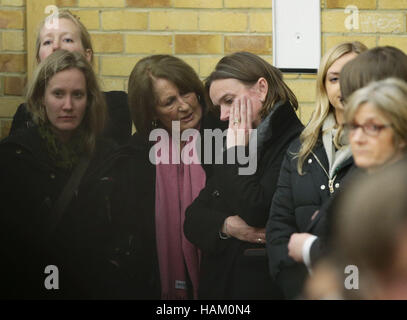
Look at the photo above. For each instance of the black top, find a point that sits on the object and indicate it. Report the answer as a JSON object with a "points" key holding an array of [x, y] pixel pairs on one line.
{"points": [[234, 269]]}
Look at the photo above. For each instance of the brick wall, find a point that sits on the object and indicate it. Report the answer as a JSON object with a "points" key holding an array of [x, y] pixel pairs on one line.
{"points": [[198, 31]]}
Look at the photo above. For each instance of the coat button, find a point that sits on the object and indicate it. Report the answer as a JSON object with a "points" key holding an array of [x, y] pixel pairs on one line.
{"points": [[52, 176], [18, 151], [309, 160], [336, 185], [323, 187], [215, 193]]}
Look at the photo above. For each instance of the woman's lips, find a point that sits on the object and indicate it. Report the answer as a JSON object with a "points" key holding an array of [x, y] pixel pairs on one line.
{"points": [[187, 118]]}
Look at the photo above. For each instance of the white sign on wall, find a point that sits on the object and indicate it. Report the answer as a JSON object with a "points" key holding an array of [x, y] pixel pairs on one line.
{"points": [[297, 35]]}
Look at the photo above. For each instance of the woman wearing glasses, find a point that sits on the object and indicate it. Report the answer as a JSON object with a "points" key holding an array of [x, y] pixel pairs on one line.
{"points": [[376, 119]]}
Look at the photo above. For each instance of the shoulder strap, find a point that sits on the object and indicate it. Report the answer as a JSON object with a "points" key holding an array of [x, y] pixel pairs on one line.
{"points": [[66, 195]]}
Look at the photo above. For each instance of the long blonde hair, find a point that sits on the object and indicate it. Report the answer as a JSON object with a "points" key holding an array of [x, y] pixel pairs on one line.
{"points": [[310, 134]]}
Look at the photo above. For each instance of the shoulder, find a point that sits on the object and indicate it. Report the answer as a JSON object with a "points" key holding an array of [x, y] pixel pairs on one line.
{"points": [[116, 99]]}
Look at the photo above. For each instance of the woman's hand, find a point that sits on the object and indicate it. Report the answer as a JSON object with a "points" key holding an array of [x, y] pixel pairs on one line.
{"points": [[240, 122], [295, 245], [236, 227]]}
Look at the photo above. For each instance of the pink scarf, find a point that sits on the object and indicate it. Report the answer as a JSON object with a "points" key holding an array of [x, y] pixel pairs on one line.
{"points": [[177, 185]]}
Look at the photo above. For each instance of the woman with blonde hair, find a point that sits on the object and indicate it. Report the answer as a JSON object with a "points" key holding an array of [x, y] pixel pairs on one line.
{"points": [[71, 34], [313, 168]]}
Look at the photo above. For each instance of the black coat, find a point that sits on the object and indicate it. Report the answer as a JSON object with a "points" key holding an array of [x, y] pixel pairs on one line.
{"points": [[139, 177], [297, 198], [95, 241], [118, 125], [232, 268]]}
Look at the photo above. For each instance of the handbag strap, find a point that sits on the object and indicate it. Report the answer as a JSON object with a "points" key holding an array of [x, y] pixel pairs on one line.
{"points": [[66, 195]]}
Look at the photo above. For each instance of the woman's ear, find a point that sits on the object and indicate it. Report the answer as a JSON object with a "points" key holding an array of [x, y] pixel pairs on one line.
{"points": [[88, 55], [262, 87]]}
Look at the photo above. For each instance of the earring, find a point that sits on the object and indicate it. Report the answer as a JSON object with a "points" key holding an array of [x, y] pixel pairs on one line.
{"points": [[154, 123]]}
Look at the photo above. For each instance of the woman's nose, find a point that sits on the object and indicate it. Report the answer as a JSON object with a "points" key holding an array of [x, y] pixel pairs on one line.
{"points": [[224, 113]]}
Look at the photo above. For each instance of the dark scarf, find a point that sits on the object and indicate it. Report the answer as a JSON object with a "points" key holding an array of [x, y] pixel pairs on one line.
{"points": [[64, 155]]}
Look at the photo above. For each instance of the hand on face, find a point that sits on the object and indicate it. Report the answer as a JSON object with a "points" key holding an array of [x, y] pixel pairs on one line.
{"points": [[240, 122]]}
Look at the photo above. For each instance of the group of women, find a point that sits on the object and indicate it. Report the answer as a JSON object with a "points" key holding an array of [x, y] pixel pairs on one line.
{"points": [[119, 216]]}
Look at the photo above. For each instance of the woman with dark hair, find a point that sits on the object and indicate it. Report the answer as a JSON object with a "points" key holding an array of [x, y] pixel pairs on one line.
{"points": [[228, 218], [168, 103], [72, 35], [56, 202]]}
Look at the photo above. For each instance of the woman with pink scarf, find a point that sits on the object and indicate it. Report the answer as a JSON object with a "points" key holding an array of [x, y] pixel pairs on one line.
{"points": [[167, 102]]}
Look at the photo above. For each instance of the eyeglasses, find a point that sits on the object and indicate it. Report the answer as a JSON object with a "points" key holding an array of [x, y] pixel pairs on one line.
{"points": [[369, 129]]}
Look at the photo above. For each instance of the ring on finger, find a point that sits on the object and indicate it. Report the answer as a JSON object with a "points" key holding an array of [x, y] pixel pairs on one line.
{"points": [[259, 240], [236, 121]]}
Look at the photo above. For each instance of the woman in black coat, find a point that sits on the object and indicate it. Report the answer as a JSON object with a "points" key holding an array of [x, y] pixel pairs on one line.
{"points": [[227, 220], [312, 171], [72, 35], [168, 105], [54, 246]]}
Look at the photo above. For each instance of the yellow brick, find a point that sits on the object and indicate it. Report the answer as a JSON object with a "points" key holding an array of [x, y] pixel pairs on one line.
{"points": [[333, 21], [392, 4], [304, 90], [330, 41], [149, 44], [308, 76], [361, 4], [193, 62], [12, 62], [198, 44], [222, 21], [8, 106], [381, 22], [198, 3], [90, 18], [96, 64], [254, 44], [248, 3], [109, 84], [306, 110], [107, 42], [65, 3], [13, 41], [261, 21], [148, 3], [14, 85], [102, 3], [398, 42], [290, 76], [207, 65], [11, 19], [13, 3], [173, 20], [124, 20], [118, 66]]}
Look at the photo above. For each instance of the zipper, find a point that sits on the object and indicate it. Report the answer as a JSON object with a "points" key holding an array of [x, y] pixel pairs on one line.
{"points": [[330, 181]]}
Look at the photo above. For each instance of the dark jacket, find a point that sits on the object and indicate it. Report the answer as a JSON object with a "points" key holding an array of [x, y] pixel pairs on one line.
{"points": [[118, 125], [233, 269], [140, 176], [93, 244], [297, 198]]}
